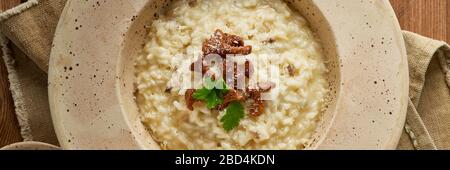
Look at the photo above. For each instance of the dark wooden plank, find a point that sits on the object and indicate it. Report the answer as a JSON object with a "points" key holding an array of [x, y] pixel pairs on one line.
{"points": [[7, 4], [9, 128], [425, 17]]}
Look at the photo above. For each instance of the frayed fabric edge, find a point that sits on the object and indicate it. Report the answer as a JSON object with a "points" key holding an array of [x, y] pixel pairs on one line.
{"points": [[412, 136], [444, 58], [17, 10], [17, 94]]}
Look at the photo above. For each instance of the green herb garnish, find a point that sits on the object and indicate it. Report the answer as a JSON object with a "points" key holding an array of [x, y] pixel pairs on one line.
{"points": [[212, 94], [233, 115]]}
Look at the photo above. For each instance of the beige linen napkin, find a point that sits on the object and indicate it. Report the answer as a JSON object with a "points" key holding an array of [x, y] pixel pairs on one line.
{"points": [[428, 119], [31, 26], [31, 33]]}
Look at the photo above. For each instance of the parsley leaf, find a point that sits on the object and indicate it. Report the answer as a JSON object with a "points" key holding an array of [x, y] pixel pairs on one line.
{"points": [[233, 115], [212, 93], [213, 100], [201, 94], [223, 88]]}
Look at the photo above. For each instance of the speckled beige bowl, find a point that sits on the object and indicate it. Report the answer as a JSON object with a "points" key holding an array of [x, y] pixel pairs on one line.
{"points": [[30, 146], [91, 73]]}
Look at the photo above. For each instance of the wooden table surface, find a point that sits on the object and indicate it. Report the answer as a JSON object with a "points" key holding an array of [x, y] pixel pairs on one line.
{"points": [[9, 128], [426, 17]]}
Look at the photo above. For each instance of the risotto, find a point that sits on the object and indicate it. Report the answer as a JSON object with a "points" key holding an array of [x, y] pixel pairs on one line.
{"points": [[284, 50]]}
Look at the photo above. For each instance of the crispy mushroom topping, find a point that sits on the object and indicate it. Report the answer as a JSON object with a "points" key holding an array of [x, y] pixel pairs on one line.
{"points": [[257, 107], [254, 93], [227, 70], [248, 69], [231, 96], [269, 41], [168, 89], [223, 44], [201, 62], [290, 69], [189, 99]]}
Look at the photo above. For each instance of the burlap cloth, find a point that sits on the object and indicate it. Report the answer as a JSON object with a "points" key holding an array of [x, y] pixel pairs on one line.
{"points": [[30, 28]]}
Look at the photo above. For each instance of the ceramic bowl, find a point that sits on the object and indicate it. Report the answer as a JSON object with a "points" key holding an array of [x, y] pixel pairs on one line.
{"points": [[91, 73], [30, 146]]}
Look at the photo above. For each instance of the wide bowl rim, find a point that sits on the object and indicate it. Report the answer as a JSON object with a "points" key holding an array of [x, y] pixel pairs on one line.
{"points": [[61, 129]]}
